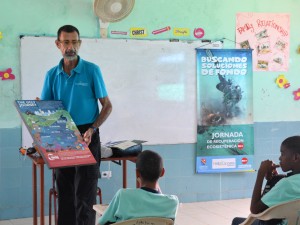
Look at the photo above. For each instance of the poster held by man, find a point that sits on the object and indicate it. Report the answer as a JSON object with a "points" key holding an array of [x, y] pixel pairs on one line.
{"points": [[54, 133]]}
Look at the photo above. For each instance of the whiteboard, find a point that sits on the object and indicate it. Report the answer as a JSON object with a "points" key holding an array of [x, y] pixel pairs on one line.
{"points": [[151, 84]]}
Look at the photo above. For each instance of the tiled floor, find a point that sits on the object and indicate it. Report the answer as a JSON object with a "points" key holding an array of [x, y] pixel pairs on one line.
{"points": [[199, 213], [213, 212]]}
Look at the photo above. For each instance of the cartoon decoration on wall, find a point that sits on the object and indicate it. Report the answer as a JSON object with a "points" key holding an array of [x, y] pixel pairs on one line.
{"points": [[297, 94], [183, 32], [118, 32], [282, 82], [7, 74], [111, 11], [138, 32], [162, 30], [198, 32]]}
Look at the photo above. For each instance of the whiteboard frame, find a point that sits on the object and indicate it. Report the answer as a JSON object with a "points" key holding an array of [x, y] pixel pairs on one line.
{"points": [[152, 85]]}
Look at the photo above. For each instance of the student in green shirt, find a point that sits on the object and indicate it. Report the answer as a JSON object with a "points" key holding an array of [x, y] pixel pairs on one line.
{"points": [[147, 201], [286, 188]]}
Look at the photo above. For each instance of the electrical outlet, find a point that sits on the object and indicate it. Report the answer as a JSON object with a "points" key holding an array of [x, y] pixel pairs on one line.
{"points": [[106, 174]]}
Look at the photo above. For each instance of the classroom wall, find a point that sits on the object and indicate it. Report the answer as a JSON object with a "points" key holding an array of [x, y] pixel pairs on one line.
{"points": [[275, 112]]}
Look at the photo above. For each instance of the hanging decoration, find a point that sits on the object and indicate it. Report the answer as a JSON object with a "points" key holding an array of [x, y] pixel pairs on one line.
{"points": [[225, 138]]}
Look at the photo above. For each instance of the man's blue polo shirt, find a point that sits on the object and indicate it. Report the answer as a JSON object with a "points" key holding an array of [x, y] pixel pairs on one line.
{"points": [[79, 92]]}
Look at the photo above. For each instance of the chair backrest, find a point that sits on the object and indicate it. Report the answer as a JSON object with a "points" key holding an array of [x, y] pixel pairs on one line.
{"points": [[147, 221], [288, 210]]}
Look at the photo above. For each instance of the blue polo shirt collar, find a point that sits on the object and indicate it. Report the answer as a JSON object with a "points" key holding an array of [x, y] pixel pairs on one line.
{"points": [[77, 69]]}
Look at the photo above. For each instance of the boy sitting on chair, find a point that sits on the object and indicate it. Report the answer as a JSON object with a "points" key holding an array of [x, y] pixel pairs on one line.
{"points": [[147, 201], [279, 188]]}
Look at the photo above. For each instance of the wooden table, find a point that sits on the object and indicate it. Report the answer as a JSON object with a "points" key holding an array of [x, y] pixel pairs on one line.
{"points": [[38, 162], [122, 161]]}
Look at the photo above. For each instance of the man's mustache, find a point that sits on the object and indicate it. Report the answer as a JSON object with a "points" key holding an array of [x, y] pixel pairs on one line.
{"points": [[71, 52]]}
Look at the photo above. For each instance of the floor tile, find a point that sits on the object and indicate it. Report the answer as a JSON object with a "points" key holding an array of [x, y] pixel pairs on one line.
{"points": [[199, 213]]}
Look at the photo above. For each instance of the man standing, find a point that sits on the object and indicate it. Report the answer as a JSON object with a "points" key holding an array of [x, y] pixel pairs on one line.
{"points": [[79, 85]]}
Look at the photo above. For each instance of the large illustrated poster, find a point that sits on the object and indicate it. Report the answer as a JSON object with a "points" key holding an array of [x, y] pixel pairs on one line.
{"points": [[224, 111], [54, 133], [268, 35]]}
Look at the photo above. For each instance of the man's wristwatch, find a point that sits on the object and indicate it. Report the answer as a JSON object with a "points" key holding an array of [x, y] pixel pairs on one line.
{"points": [[94, 128]]}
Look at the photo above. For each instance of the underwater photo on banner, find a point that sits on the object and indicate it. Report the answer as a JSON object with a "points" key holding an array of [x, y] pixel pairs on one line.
{"points": [[225, 140]]}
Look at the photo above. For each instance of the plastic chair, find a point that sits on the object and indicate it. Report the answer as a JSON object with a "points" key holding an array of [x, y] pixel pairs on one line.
{"points": [[147, 221], [288, 210]]}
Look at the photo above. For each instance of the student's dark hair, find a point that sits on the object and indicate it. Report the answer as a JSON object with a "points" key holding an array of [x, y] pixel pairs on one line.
{"points": [[68, 29], [292, 143], [150, 165]]}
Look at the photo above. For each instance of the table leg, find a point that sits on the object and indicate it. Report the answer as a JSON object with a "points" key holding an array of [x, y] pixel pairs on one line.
{"points": [[34, 194], [42, 215], [124, 174]]}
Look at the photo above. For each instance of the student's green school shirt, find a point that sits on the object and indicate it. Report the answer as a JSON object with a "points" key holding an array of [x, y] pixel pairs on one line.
{"points": [[136, 203], [287, 189]]}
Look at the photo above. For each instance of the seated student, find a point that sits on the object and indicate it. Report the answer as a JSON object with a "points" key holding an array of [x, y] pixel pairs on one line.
{"points": [[146, 201], [286, 188]]}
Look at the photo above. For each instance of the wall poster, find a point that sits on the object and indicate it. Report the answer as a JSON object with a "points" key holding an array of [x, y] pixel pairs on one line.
{"points": [[224, 111], [268, 35]]}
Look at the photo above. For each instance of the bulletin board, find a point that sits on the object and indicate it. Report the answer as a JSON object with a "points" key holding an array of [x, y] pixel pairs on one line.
{"points": [[151, 84]]}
